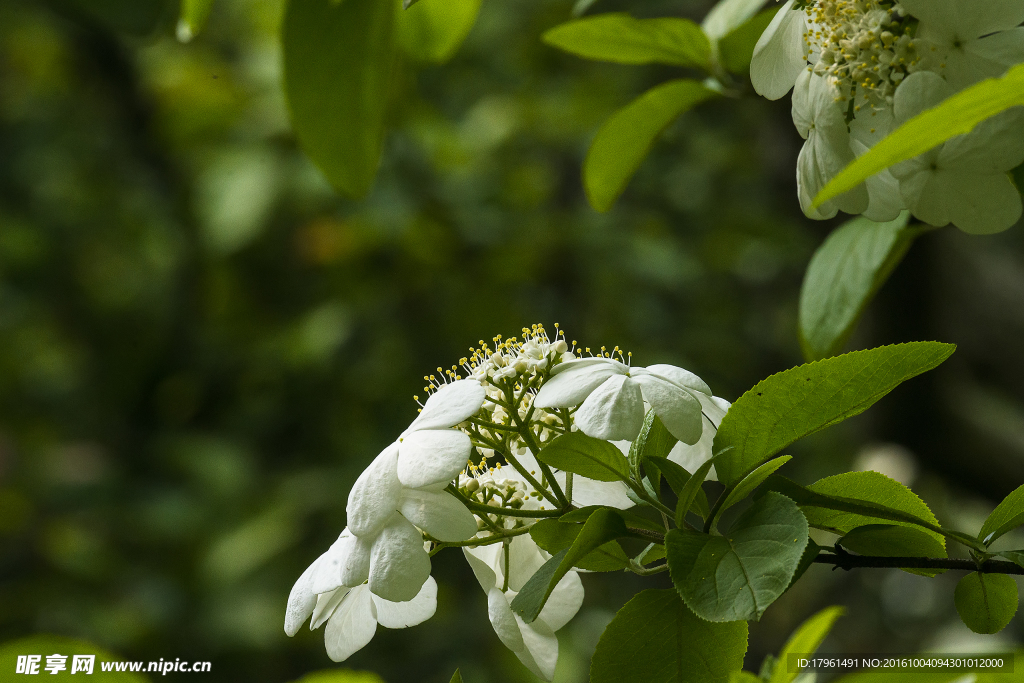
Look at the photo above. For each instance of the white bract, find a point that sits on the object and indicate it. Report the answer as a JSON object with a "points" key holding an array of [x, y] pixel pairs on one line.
{"points": [[535, 643], [466, 472], [851, 61]]}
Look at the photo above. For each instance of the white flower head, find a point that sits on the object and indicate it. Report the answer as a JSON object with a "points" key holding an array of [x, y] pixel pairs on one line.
{"points": [[535, 643], [611, 396]]}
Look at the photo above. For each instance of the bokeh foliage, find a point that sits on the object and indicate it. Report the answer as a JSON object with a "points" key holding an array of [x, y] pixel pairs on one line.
{"points": [[201, 344]]}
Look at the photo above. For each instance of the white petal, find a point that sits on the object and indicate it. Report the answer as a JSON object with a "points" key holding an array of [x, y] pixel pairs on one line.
{"points": [[540, 652], [525, 558], [347, 558], [439, 514], [678, 409], [692, 457], [504, 621], [406, 614], [714, 409], [399, 565], [351, 626], [918, 92], [375, 494], [451, 404], [563, 603], [683, 378], [779, 54], [925, 194], [613, 411], [996, 145], [430, 458], [326, 604], [592, 492], [485, 575], [301, 600], [802, 104], [1006, 48], [985, 204], [572, 382]]}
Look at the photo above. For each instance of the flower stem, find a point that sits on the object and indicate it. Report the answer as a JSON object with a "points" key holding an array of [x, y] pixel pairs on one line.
{"points": [[847, 562]]}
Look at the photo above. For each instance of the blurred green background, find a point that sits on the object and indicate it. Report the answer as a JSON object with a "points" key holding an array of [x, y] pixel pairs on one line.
{"points": [[202, 345]]}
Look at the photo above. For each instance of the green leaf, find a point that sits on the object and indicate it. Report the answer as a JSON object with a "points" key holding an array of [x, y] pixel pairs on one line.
{"points": [[618, 37], [842, 278], [811, 397], [1015, 556], [338, 59], [861, 511], [654, 638], [194, 14], [602, 526], [624, 140], [749, 483], [806, 560], [44, 645], [654, 441], [890, 540], [692, 492], [806, 640], [677, 478], [729, 15], [341, 676], [629, 516], [736, 50], [456, 677], [555, 536], [986, 602], [743, 677], [1008, 515], [738, 575], [957, 115], [433, 30], [586, 456]]}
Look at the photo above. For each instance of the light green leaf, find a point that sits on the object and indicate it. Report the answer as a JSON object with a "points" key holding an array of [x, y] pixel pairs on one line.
{"points": [[555, 536], [847, 512], [729, 15], [655, 441], [601, 527], [433, 30], [1008, 515], [456, 677], [749, 483], [44, 645], [624, 140], [736, 50], [805, 640], [193, 18], [986, 602], [338, 59], [811, 397], [618, 37], [341, 676], [957, 115], [842, 278], [586, 456], [738, 575], [743, 677], [892, 540], [693, 492], [654, 638]]}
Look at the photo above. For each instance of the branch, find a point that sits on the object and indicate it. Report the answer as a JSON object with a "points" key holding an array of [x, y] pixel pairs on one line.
{"points": [[848, 562]]}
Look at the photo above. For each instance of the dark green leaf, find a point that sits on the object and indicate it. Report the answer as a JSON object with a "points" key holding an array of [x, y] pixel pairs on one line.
{"points": [[554, 536], [48, 645], [1008, 515], [843, 276], [736, 49], [986, 602], [806, 560], [586, 456], [677, 478], [889, 540], [602, 526], [134, 17], [811, 397], [654, 441], [957, 115], [692, 491], [749, 483], [655, 639], [624, 140], [631, 517], [1015, 556], [738, 575], [805, 641], [433, 30], [618, 37], [338, 59]]}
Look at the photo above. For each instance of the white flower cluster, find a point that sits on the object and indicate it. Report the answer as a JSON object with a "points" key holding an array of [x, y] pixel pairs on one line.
{"points": [[861, 68], [426, 489]]}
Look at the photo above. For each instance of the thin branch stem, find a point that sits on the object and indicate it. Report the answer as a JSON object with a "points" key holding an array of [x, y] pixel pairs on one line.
{"points": [[847, 561], [474, 542]]}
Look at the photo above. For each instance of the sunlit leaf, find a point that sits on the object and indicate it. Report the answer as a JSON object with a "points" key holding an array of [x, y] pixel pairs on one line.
{"points": [[1008, 515], [587, 456], [986, 602], [618, 37], [805, 641], [193, 18], [433, 30]]}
